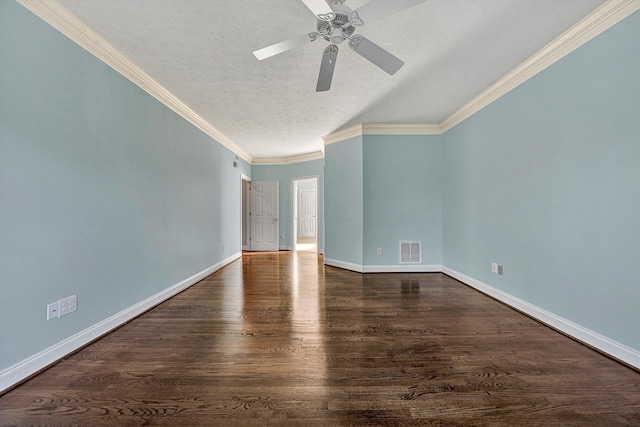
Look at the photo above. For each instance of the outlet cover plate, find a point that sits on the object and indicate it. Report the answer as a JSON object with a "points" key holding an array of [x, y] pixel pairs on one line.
{"points": [[68, 305]]}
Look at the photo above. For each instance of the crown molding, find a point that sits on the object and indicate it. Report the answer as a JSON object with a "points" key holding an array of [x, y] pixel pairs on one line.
{"points": [[400, 129], [288, 160], [343, 134], [602, 18], [381, 129], [71, 26]]}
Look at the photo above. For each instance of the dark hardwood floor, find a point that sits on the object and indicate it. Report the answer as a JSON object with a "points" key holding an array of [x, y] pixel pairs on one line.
{"points": [[279, 339]]}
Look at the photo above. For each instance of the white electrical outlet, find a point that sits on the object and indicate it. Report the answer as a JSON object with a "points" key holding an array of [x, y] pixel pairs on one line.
{"points": [[68, 305], [500, 270], [52, 310], [379, 251], [494, 267]]}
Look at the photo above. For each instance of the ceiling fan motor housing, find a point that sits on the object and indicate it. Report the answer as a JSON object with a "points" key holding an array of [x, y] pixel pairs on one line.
{"points": [[337, 30]]}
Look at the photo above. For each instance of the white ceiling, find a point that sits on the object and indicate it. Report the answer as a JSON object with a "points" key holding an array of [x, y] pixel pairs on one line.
{"points": [[201, 51]]}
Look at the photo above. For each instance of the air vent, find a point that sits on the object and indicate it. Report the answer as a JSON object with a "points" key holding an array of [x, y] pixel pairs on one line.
{"points": [[410, 252]]}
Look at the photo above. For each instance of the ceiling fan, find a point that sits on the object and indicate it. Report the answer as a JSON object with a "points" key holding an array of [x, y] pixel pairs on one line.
{"points": [[337, 23]]}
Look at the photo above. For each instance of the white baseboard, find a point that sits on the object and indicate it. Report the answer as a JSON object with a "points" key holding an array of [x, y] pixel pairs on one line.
{"points": [[401, 268], [343, 264], [606, 345], [31, 365]]}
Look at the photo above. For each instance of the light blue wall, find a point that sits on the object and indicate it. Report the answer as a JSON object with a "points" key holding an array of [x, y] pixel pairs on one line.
{"points": [[402, 196], [343, 197], [546, 181], [380, 189], [284, 175], [107, 194], [104, 192]]}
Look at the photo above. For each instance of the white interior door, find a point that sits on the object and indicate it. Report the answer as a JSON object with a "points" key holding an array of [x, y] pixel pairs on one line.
{"points": [[307, 217], [264, 216]]}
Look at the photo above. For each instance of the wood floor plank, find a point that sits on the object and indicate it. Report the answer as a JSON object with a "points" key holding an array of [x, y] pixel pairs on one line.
{"points": [[279, 339]]}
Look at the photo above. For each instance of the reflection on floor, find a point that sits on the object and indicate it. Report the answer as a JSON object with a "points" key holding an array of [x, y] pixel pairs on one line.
{"points": [[306, 244], [307, 247]]}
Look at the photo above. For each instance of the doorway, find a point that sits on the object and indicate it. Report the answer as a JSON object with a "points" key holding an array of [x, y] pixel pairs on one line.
{"points": [[263, 224], [260, 227], [246, 183], [304, 194]]}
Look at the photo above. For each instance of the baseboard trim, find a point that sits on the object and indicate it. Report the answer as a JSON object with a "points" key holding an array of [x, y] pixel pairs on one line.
{"points": [[614, 349], [413, 268], [23, 370], [343, 264]]}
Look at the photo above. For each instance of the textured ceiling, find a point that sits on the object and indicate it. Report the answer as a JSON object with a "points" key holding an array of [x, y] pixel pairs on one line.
{"points": [[201, 51]]}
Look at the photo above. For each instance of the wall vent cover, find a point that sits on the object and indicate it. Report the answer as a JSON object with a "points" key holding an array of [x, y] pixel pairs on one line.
{"points": [[410, 252]]}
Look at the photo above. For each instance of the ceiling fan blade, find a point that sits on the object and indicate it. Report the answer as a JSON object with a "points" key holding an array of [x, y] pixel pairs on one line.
{"points": [[284, 46], [377, 9], [321, 9], [374, 53], [326, 68]]}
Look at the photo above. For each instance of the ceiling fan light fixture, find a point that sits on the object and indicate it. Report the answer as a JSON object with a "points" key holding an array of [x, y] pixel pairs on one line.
{"points": [[336, 36]]}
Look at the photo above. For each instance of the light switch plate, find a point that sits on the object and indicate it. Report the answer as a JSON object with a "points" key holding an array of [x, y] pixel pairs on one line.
{"points": [[53, 310]]}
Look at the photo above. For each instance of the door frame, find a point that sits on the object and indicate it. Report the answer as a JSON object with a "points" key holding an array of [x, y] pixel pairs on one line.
{"points": [[294, 209], [244, 214]]}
